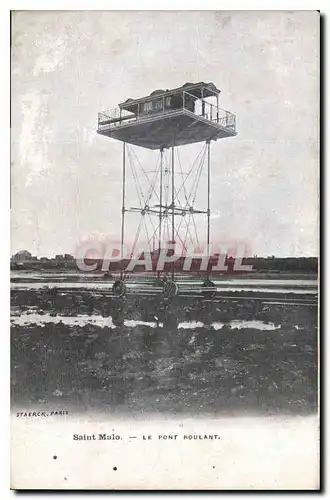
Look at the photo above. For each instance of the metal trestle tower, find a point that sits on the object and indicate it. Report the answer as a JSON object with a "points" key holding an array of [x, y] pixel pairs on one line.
{"points": [[170, 194]]}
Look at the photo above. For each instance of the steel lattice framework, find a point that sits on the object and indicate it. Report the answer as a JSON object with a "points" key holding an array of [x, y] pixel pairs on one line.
{"points": [[166, 199], [167, 196]]}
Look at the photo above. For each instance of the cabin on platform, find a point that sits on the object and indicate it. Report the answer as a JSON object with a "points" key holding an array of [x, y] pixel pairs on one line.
{"points": [[166, 118]]}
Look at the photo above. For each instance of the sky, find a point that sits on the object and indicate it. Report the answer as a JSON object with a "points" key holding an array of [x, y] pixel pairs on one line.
{"points": [[67, 66]]}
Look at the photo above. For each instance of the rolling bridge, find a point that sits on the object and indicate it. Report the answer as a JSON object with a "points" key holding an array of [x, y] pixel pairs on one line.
{"points": [[165, 121]]}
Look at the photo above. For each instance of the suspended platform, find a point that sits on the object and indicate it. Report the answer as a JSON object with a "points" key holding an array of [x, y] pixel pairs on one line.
{"points": [[169, 118], [166, 130]]}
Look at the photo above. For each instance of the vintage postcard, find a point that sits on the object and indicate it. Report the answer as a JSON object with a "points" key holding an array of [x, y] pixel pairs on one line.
{"points": [[164, 250]]}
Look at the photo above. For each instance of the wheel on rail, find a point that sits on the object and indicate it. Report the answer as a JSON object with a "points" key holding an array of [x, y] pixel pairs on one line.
{"points": [[170, 289], [119, 288], [210, 289]]}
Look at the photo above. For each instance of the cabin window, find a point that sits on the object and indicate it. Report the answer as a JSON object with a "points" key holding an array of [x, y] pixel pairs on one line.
{"points": [[158, 104], [147, 107]]}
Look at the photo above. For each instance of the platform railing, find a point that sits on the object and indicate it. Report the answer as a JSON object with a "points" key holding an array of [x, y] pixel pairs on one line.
{"points": [[114, 117], [162, 106], [211, 112]]}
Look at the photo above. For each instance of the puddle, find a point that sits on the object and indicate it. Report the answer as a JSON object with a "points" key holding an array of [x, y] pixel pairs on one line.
{"points": [[234, 325], [131, 323], [42, 319], [102, 322], [256, 325], [190, 325]]}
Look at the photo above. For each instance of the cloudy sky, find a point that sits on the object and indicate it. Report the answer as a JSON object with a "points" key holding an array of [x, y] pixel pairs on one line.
{"points": [[68, 66]]}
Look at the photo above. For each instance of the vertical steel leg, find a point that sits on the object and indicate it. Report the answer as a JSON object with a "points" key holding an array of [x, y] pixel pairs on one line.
{"points": [[160, 200], [208, 201], [123, 212], [160, 204], [173, 221]]}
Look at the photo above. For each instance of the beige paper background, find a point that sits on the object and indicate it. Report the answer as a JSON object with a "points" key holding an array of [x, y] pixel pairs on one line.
{"points": [[252, 453]]}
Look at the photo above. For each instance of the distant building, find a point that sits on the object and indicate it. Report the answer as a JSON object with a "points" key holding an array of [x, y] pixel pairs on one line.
{"points": [[22, 256]]}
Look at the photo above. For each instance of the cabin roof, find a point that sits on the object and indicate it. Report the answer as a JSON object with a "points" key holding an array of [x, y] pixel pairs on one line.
{"points": [[195, 89]]}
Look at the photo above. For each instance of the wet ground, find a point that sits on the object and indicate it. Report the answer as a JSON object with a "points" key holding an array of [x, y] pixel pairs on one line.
{"points": [[86, 351]]}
